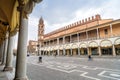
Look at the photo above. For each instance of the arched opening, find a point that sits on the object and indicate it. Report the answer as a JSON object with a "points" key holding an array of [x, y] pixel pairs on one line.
{"points": [[117, 46], [83, 49], [74, 49], [106, 47], [60, 50], [67, 50], [93, 46]]}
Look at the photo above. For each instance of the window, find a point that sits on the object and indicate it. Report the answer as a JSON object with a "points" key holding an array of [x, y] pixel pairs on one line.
{"points": [[105, 31]]}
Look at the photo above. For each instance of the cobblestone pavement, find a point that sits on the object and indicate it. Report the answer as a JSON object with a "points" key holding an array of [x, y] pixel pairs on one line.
{"points": [[72, 68]]}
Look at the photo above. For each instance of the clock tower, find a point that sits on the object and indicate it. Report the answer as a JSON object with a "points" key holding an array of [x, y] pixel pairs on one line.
{"points": [[40, 32]]}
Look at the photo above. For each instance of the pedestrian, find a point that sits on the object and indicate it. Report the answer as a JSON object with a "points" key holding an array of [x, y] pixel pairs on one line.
{"points": [[40, 59], [89, 57]]}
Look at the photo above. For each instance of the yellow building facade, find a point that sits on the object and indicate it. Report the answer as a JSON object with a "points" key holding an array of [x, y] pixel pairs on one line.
{"points": [[90, 36]]}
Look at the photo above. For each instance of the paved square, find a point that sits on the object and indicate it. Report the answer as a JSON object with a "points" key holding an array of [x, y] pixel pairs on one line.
{"points": [[73, 68]]}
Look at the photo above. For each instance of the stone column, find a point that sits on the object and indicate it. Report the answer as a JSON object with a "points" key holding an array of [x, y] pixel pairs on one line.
{"points": [[71, 51], [111, 30], [88, 50], [64, 51], [5, 50], [1, 51], [78, 37], [57, 41], [20, 73], [78, 51], [98, 34], [24, 9], [70, 38], [63, 39], [8, 66], [87, 34], [58, 51], [113, 49], [99, 50]]}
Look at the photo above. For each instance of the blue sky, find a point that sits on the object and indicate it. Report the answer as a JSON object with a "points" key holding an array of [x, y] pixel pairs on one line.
{"points": [[59, 13]]}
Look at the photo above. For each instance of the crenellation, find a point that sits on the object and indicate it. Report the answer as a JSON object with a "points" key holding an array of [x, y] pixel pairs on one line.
{"points": [[82, 21], [86, 21], [97, 17], [79, 23], [92, 18], [89, 19], [75, 23]]}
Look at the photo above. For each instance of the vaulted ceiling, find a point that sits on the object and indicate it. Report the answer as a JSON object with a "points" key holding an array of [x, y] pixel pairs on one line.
{"points": [[9, 17]]}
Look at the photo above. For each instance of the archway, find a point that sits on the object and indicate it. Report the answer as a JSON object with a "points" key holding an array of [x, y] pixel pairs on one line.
{"points": [[117, 46], [106, 47], [93, 47], [61, 50], [74, 48], [83, 49], [67, 50]]}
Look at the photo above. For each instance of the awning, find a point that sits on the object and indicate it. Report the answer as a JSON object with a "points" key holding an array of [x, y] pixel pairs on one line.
{"points": [[106, 43], [93, 44]]}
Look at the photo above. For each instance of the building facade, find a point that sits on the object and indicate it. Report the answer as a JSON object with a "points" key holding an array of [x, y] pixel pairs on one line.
{"points": [[90, 36], [32, 47]]}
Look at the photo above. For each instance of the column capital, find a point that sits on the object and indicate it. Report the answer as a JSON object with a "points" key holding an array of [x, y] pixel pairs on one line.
{"points": [[26, 7]]}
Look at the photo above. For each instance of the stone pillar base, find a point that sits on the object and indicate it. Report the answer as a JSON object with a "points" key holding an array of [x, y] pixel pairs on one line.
{"points": [[25, 78], [8, 69]]}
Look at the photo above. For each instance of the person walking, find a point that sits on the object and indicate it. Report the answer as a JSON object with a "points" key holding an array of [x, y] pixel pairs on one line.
{"points": [[40, 59], [89, 57]]}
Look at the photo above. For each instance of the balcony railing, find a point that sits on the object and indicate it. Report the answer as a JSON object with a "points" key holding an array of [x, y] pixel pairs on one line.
{"points": [[87, 39]]}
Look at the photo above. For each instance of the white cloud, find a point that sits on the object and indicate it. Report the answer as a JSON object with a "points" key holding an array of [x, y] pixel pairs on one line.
{"points": [[107, 9], [33, 28]]}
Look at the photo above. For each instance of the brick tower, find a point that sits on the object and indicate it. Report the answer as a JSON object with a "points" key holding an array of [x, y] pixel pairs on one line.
{"points": [[40, 33]]}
